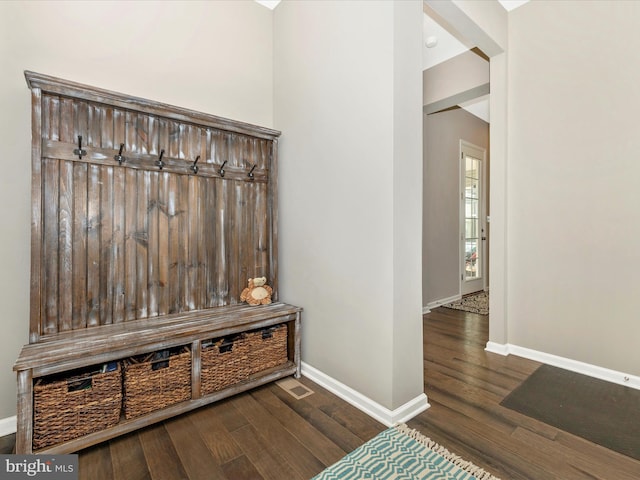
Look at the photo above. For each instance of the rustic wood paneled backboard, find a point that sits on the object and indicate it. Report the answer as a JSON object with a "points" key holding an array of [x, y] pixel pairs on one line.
{"points": [[154, 210]]}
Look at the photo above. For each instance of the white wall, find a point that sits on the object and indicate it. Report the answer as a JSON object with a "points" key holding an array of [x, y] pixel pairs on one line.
{"points": [[348, 99], [214, 57], [573, 197]]}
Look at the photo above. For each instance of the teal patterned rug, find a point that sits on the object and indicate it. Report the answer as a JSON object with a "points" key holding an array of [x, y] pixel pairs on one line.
{"points": [[402, 453]]}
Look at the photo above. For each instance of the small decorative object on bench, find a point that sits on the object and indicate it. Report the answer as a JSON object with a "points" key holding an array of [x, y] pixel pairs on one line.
{"points": [[156, 381], [257, 293], [69, 407]]}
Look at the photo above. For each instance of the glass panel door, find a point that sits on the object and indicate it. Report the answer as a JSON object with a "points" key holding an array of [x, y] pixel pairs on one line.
{"points": [[472, 220]]}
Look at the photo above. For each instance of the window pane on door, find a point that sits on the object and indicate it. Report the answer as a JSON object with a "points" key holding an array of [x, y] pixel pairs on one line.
{"points": [[471, 228], [471, 259]]}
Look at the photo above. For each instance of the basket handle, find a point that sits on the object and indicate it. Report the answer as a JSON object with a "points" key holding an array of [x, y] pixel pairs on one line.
{"points": [[78, 384], [160, 360]]}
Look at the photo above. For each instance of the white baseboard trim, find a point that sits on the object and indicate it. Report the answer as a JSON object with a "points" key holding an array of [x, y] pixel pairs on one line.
{"points": [[499, 348], [8, 425], [613, 376], [373, 409], [443, 301], [425, 310]]}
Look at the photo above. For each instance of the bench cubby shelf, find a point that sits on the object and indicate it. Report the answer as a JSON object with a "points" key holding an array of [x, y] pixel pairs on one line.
{"points": [[147, 221]]}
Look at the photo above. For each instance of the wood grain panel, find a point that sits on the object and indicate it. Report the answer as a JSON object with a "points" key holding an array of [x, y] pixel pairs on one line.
{"points": [[153, 135], [209, 246], [173, 147], [125, 242], [52, 112], [93, 137], [65, 250], [80, 222], [119, 128], [118, 249], [37, 219], [107, 139], [107, 253], [142, 132], [223, 241], [94, 191], [183, 242], [174, 298], [131, 137], [81, 121], [50, 246], [142, 244], [262, 230], [272, 218], [235, 202], [164, 196], [126, 228], [130, 263], [192, 298], [153, 256]]}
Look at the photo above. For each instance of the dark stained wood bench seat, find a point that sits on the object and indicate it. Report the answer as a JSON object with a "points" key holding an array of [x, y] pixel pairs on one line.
{"points": [[72, 349]]}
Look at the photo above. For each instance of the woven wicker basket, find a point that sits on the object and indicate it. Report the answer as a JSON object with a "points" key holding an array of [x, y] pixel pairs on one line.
{"points": [[151, 384], [225, 361], [268, 348], [69, 408]]}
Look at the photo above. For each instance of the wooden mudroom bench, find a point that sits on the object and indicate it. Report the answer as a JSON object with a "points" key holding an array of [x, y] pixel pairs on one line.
{"points": [[115, 342], [147, 221]]}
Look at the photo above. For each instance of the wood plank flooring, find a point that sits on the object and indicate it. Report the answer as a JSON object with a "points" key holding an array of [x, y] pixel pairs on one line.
{"points": [[267, 434], [465, 386]]}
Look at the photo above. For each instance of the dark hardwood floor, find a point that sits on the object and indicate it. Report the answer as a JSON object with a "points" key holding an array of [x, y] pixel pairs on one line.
{"points": [[267, 434], [465, 386]]}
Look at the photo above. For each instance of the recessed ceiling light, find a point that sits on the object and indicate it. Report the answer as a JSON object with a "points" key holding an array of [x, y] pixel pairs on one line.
{"points": [[431, 41]]}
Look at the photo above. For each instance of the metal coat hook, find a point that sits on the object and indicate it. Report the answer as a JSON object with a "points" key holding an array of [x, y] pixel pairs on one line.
{"points": [[159, 162], [194, 167], [119, 158], [79, 151], [250, 174], [221, 171]]}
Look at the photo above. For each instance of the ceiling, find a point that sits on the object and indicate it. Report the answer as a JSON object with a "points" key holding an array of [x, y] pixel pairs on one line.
{"points": [[448, 44], [507, 4]]}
